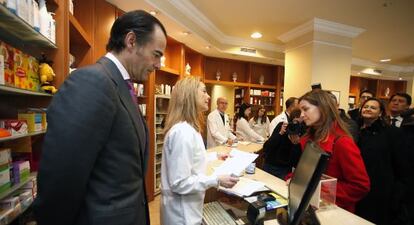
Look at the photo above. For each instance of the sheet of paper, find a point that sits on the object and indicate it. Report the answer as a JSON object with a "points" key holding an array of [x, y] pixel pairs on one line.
{"points": [[245, 187], [236, 163], [211, 156]]}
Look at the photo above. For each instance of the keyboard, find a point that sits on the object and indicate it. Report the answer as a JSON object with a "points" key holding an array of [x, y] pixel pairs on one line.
{"points": [[215, 214]]}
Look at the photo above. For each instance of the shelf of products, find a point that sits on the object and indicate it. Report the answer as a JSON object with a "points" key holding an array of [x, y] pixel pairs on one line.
{"points": [[6, 90], [12, 26], [13, 137], [161, 103], [17, 186]]}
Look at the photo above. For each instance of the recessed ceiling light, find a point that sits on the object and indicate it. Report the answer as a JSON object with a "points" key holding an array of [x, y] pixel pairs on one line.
{"points": [[153, 12], [400, 78], [208, 47], [185, 33], [385, 60], [256, 35]]}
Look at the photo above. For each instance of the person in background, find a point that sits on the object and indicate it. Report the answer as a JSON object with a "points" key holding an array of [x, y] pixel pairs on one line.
{"points": [[385, 158], [184, 163], [363, 96], [290, 104], [260, 122], [243, 130], [218, 126], [326, 129], [282, 148], [95, 151], [399, 103], [351, 124]]}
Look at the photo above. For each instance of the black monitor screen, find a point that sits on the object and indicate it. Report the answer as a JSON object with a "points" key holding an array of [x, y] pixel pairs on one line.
{"points": [[305, 179]]}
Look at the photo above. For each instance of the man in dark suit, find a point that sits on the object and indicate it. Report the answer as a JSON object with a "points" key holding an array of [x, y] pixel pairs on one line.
{"points": [[96, 148], [399, 103]]}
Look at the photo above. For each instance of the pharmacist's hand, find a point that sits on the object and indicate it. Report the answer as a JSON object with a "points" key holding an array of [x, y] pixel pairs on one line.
{"points": [[283, 128], [222, 156], [227, 181]]}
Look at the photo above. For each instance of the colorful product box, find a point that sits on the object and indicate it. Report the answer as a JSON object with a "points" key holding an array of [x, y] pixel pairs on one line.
{"points": [[21, 171], [4, 179], [33, 82], [15, 127], [33, 120], [5, 157], [8, 67], [20, 69]]}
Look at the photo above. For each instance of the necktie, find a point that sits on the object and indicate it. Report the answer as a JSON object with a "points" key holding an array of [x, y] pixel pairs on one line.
{"points": [[222, 118], [394, 122], [131, 91]]}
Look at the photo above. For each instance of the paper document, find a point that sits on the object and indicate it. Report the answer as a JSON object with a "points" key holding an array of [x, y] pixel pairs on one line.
{"points": [[245, 187], [236, 163]]}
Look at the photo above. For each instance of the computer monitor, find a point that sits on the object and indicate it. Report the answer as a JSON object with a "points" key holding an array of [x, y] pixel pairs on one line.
{"points": [[305, 179]]}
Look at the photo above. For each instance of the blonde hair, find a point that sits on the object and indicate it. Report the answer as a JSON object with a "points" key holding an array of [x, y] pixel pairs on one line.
{"points": [[329, 115], [183, 104]]}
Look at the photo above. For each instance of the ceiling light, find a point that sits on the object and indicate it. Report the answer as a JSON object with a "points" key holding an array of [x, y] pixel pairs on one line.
{"points": [[256, 35], [400, 78], [185, 33], [208, 47], [385, 60], [153, 12]]}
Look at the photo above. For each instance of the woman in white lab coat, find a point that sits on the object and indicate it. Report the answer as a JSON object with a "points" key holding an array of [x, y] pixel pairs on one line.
{"points": [[243, 130], [183, 169], [260, 122]]}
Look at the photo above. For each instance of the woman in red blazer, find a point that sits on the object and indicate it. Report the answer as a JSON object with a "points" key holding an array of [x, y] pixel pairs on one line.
{"points": [[330, 133]]}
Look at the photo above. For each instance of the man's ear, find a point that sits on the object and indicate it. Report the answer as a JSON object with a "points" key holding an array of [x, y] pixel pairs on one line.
{"points": [[130, 40]]}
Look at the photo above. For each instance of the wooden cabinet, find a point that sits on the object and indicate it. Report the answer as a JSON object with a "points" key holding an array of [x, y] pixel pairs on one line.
{"points": [[382, 89], [255, 83]]}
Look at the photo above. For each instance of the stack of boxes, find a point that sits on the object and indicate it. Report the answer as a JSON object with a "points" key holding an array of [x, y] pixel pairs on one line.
{"points": [[18, 69], [5, 162]]}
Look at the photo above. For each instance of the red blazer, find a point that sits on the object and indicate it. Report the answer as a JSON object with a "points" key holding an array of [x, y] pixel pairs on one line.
{"points": [[347, 166]]}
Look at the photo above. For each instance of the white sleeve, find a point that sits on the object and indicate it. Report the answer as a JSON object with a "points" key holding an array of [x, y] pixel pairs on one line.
{"points": [[214, 130], [180, 173], [245, 128], [268, 126]]}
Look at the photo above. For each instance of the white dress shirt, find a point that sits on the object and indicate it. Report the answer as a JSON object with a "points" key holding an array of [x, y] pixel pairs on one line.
{"points": [[282, 117], [398, 121], [118, 65]]}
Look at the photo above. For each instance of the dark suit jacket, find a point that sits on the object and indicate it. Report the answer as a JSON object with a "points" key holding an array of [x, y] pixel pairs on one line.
{"points": [[94, 154]]}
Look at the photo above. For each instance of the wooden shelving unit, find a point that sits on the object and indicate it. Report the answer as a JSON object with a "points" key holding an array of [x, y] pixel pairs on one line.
{"points": [[78, 36], [382, 89]]}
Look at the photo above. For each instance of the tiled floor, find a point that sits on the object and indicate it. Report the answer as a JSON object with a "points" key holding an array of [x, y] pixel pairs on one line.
{"points": [[154, 208]]}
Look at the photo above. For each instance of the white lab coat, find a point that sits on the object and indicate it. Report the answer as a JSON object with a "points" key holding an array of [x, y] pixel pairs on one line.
{"points": [[217, 132], [183, 179], [261, 128], [282, 117], [245, 133]]}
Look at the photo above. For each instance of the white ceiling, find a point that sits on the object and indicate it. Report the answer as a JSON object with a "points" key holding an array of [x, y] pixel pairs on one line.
{"points": [[227, 25]]}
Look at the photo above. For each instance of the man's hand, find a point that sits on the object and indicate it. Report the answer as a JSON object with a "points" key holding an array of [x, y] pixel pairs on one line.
{"points": [[283, 128]]}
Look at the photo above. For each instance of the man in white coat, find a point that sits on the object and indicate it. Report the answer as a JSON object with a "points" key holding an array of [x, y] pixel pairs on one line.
{"points": [[218, 125]]}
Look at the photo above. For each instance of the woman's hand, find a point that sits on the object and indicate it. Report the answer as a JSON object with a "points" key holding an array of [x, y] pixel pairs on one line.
{"points": [[294, 138], [222, 156], [227, 181]]}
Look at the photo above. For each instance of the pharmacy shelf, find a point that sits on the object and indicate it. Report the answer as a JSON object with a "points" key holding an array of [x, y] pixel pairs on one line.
{"points": [[6, 90], [17, 186], [21, 136], [13, 26]]}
